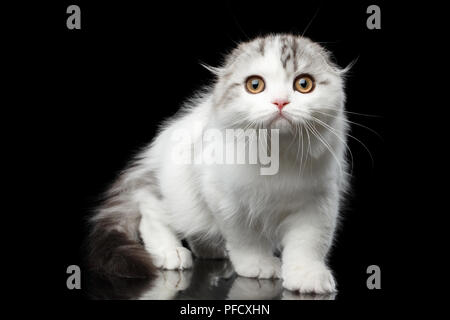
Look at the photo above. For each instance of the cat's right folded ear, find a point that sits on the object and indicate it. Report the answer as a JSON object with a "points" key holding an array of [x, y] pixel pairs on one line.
{"points": [[214, 70]]}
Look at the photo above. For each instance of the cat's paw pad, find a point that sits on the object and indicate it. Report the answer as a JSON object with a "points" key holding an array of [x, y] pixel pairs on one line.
{"points": [[172, 259], [262, 268], [314, 278]]}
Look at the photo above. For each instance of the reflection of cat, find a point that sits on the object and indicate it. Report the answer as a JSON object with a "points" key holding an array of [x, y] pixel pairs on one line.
{"points": [[255, 289], [167, 285], [214, 280], [209, 279], [289, 295], [279, 82], [101, 287]]}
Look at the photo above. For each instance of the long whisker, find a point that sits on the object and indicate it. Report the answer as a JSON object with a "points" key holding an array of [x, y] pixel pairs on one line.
{"points": [[309, 149], [297, 133], [352, 122], [294, 135], [310, 22], [330, 107], [364, 146], [329, 148], [335, 132], [303, 152]]}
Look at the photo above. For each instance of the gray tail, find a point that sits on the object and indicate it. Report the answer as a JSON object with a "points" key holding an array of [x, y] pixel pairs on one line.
{"points": [[114, 245]]}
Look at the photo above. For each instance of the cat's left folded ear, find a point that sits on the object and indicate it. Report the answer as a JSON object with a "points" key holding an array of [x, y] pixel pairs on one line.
{"points": [[349, 66]]}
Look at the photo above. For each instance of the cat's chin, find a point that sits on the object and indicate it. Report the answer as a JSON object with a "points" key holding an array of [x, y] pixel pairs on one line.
{"points": [[281, 123]]}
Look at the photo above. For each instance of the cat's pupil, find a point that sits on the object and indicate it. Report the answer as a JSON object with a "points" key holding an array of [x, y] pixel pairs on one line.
{"points": [[303, 83], [255, 84]]}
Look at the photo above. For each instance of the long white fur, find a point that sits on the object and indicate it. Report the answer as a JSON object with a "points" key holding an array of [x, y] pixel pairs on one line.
{"points": [[294, 212]]}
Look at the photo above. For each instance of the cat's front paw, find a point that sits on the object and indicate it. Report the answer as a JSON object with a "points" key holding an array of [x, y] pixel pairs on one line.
{"points": [[174, 258], [308, 278], [258, 267]]}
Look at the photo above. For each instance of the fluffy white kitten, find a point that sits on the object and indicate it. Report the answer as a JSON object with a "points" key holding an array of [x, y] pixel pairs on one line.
{"points": [[282, 82]]}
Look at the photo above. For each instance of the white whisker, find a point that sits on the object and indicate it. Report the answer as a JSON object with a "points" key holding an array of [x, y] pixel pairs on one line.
{"points": [[352, 122], [335, 132], [326, 144]]}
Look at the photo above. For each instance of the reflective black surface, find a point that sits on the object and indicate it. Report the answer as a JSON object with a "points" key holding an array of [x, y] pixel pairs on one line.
{"points": [[208, 280]]}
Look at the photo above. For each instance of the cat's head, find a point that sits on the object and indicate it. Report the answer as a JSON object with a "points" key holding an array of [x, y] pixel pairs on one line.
{"points": [[278, 81]]}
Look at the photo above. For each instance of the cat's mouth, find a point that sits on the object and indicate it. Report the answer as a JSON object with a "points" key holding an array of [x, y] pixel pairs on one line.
{"points": [[280, 120]]}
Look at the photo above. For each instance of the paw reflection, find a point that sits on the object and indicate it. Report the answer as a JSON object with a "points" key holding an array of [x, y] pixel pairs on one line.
{"points": [[289, 295], [258, 289], [209, 279], [167, 285]]}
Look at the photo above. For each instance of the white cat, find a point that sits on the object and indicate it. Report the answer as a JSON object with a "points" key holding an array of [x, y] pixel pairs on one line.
{"points": [[282, 82]]}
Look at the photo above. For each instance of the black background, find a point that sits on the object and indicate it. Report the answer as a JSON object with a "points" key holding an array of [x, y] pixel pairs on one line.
{"points": [[97, 95]]}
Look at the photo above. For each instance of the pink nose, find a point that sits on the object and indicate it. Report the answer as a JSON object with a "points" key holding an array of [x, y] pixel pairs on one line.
{"points": [[280, 103]]}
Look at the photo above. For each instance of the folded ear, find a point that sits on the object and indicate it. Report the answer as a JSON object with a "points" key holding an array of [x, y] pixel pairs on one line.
{"points": [[214, 70], [343, 71], [331, 62]]}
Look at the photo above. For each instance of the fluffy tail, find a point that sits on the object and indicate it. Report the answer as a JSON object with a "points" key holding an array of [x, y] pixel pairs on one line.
{"points": [[115, 248]]}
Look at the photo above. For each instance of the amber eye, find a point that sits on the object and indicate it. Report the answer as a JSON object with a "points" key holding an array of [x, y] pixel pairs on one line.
{"points": [[254, 84], [304, 83]]}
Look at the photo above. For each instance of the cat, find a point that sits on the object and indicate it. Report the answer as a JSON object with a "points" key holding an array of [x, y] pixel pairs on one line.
{"points": [[278, 225]]}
